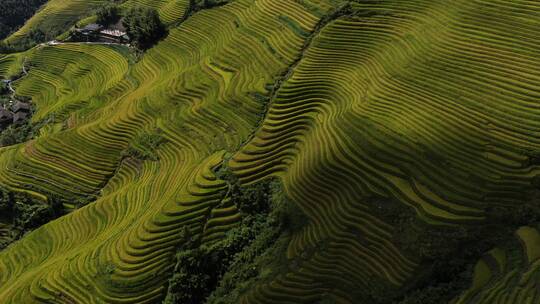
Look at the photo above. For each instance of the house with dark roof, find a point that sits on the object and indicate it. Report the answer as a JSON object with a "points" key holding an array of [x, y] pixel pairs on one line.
{"points": [[6, 118], [90, 29], [115, 33], [20, 117], [89, 32], [20, 106]]}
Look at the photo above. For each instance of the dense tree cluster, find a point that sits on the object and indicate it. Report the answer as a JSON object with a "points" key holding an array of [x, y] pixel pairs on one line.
{"points": [[108, 14], [16, 134], [144, 26], [218, 272], [20, 213]]}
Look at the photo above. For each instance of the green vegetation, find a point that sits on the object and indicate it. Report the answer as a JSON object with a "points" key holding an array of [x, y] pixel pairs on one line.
{"points": [[221, 271], [21, 213], [20, 133], [14, 13], [144, 27], [278, 151], [196, 5], [16, 134], [144, 145], [29, 40], [108, 14], [52, 19]]}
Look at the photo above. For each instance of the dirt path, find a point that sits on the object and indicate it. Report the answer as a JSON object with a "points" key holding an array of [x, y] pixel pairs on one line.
{"points": [[54, 42]]}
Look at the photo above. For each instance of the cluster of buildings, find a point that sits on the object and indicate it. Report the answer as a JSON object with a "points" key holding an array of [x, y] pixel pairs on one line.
{"points": [[95, 32], [18, 114]]}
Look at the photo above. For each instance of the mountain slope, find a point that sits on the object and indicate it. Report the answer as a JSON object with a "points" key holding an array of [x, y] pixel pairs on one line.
{"points": [[55, 17], [15, 13], [385, 121]]}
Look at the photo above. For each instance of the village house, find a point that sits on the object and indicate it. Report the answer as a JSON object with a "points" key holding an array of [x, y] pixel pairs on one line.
{"points": [[19, 114], [20, 118], [113, 35], [97, 33], [22, 107], [21, 111], [6, 118], [89, 31]]}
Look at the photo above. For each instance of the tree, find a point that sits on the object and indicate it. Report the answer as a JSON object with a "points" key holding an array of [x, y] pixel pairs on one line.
{"points": [[144, 27], [107, 15]]}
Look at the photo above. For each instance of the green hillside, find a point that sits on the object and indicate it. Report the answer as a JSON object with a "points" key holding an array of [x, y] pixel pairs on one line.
{"points": [[54, 17], [278, 151], [15, 12]]}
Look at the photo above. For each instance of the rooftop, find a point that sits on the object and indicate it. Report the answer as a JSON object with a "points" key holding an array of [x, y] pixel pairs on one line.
{"points": [[20, 106], [19, 117], [114, 33], [92, 27], [5, 115]]}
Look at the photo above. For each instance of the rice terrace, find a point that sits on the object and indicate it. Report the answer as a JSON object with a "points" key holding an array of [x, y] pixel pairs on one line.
{"points": [[270, 151]]}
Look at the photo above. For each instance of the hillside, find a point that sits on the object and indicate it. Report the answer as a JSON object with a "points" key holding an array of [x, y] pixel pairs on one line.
{"points": [[15, 12], [55, 16], [277, 151]]}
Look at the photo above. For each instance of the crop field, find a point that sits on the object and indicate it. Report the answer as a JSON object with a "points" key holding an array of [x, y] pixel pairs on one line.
{"points": [[507, 276], [170, 10], [55, 15], [358, 108]]}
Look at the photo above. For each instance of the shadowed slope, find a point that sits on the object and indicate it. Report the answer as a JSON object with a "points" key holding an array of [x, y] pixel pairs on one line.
{"points": [[397, 104], [196, 87], [507, 275]]}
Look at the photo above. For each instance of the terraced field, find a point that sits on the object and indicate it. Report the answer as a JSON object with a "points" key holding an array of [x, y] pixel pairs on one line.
{"points": [[170, 11], [507, 276], [55, 16], [53, 79], [365, 111]]}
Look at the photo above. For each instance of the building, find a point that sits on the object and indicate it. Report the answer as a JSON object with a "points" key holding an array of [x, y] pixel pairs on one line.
{"points": [[6, 118], [21, 112], [113, 35], [87, 33], [20, 106], [90, 29], [20, 118]]}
